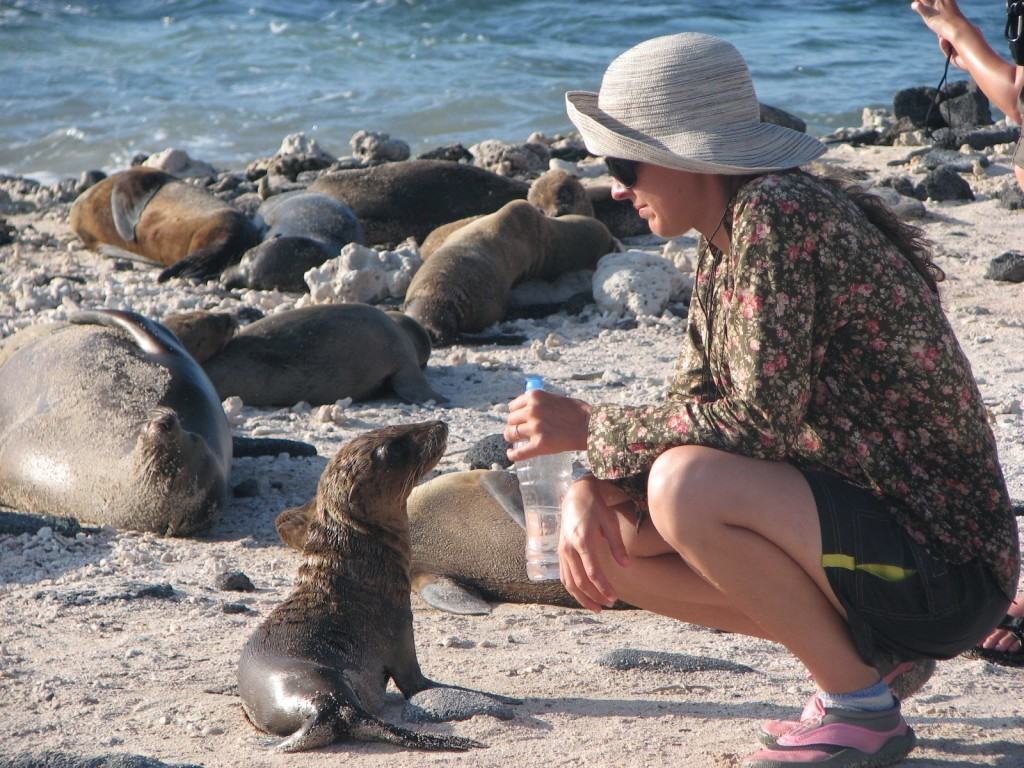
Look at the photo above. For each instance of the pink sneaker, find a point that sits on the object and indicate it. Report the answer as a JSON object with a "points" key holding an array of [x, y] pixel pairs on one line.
{"points": [[904, 680], [839, 738]]}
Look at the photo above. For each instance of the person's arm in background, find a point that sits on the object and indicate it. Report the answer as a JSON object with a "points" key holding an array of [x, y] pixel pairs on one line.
{"points": [[1000, 80]]}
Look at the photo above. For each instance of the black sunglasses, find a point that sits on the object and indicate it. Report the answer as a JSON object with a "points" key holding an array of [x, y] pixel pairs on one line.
{"points": [[623, 171]]}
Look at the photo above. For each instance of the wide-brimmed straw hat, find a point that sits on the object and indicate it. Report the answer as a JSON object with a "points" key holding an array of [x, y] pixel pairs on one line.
{"points": [[685, 101]]}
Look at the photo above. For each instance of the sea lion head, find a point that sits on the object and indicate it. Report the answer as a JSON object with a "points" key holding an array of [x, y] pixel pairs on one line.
{"points": [[440, 315], [557, 193], [370, 478], [202, 333], [180, 473]]}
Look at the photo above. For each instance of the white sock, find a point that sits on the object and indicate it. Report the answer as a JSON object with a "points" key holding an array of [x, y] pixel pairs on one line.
{"points": [[874, 698]]}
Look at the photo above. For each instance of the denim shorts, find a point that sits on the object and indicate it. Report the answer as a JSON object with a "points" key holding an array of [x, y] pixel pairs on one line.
{"points": [[898, 598]]}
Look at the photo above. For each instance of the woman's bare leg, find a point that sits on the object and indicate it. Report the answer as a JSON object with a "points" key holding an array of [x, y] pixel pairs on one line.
{"points": [[736, 544], [658, 580]]}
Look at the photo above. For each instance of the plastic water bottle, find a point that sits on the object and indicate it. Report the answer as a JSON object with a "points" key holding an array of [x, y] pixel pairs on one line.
{"points": [[543, 483]]}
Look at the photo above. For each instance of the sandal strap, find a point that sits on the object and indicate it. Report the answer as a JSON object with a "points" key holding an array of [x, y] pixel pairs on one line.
{"points": [[1014, 624]]}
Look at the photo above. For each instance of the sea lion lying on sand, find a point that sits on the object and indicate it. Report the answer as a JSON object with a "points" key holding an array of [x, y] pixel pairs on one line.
{"points": [[202, 333], [108, 420], [464, 286], [304, 229], [321, 354], [395, 201], [166, 221]]}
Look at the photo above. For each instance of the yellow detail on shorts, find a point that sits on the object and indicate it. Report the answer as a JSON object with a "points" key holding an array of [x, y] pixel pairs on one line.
{"points": [[880, 570]]}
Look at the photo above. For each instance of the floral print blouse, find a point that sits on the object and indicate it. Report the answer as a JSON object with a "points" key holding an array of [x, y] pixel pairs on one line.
{"points": [[827, 350]]}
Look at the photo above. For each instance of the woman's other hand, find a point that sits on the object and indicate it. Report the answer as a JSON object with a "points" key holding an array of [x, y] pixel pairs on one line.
{"points": [[588, 526], [545, 423]]}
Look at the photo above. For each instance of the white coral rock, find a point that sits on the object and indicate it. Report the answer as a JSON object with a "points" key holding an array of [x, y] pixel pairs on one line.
{"points": [[178, 163], [638, 283], [361, 274], [301, 144]]}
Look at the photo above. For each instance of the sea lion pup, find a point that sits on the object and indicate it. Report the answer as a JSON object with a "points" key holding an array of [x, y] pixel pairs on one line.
{"points": [[108, 420], [411, 198], [164, 220], [321, 354], [555, 193], [464, 286], [559, 193], [316, 669], [303, 230]]}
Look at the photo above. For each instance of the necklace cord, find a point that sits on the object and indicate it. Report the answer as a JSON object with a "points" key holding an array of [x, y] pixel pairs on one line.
{"points": [[706, 303]]}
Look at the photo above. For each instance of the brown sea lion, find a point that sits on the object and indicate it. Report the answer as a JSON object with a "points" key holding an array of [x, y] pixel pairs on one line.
{"points": [[555, 193], [109, 420], [316, 669], [164, 220], [559, 193], [437, 237], [464, 286], [468, 538], [321, 354], [394, 201]]}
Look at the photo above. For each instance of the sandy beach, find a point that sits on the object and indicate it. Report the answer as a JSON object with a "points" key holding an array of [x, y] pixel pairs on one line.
{"points": [[88, 667]]}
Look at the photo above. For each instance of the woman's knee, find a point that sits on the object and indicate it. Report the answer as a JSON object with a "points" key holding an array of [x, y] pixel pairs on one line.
{"points": [[685, 472], [684, 487]]}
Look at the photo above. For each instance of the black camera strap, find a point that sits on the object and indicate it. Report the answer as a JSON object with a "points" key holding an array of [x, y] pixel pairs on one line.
{"points": [[1015, 29], [939, 95]]}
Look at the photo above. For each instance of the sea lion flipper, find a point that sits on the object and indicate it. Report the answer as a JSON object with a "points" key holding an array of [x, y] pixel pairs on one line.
{"points": [[204, 264], [293, 524], [318, 730], [370, 728], [446, 594], [411, 387], [151, 337], [129, 198], [270, 446], [504, 489]]}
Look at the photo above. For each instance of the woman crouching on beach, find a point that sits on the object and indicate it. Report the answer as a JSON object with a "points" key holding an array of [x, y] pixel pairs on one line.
{"points": [[821, 472]]}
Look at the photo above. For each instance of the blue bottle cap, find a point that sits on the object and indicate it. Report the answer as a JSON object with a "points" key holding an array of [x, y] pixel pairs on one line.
{"points": [[534, 382]]}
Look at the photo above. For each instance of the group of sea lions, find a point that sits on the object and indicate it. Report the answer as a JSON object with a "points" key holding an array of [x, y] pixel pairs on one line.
{"points": [[481, 237], [107, 418], [115, 418]]}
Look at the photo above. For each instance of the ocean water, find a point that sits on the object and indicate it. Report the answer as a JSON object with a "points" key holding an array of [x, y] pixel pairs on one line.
{"points": [[89, 84]]}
